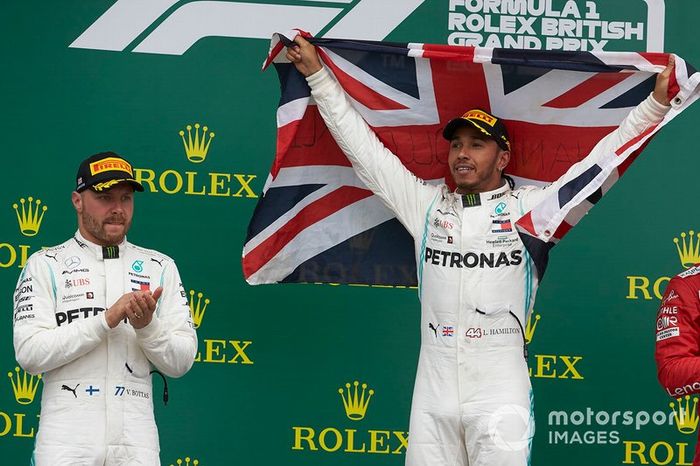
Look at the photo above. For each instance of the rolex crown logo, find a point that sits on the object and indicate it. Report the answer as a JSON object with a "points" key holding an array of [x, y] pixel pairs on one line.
{"points": [[24, 386], [686, 416], [688, 248], [197, 309], [531, 326], [186, 462], [29, 215], [355, 403], [197, 145]]}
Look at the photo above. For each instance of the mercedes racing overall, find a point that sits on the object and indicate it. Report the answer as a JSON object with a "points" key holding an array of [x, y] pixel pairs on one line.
{"points": [[477, 283], [97, 402]]}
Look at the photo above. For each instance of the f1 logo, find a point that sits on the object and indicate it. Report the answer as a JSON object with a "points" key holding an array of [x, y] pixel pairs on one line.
{"points": [[178, 30]]}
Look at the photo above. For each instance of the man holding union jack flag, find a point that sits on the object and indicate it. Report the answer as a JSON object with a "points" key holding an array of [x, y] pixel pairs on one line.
{"points": [[481, 251]]}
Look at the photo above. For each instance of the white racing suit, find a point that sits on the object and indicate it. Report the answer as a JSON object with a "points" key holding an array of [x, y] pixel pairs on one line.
{"points": [[472, 401], [97, 402]]}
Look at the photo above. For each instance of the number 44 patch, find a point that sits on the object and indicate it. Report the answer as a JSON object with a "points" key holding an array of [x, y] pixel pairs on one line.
{"points": [[474, 333]]}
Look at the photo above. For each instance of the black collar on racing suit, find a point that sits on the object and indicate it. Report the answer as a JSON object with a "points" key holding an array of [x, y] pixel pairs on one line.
{"points": [[100, 252], [477, 199]]}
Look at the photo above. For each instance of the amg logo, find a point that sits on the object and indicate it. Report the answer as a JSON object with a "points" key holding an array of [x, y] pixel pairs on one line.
{"points": [[84, 312], [471, 260]]}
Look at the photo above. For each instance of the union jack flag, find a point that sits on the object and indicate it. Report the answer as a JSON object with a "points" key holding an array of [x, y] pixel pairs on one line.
{"points": [[448, 331], [316, 222]]}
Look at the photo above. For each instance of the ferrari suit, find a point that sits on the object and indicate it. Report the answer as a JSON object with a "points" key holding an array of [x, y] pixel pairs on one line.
{"points": [[678, 338], [472, 401], [97, 402]]}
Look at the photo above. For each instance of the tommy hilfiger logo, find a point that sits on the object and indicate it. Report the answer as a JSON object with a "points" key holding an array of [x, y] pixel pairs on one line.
{"points": [[501, 226]]}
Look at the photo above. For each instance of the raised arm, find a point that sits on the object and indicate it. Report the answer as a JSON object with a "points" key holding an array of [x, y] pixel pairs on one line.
{"points": [[378, 168], [603, 156]]}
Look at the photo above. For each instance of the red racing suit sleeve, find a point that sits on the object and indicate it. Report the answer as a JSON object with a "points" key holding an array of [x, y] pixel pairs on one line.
{"points": [[678, 335]]}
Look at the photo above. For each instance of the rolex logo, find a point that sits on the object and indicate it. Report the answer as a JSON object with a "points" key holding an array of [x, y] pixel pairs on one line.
{"points": [[686, 416], [197, 146], [24, 386], [531, 327], [29, 215], [186, 462], [688, 248], [354, 401], [196, 307]]}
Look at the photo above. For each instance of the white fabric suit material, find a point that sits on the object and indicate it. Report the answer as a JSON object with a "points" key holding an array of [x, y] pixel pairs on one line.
{"points": [[477, 284], [97, 401]]}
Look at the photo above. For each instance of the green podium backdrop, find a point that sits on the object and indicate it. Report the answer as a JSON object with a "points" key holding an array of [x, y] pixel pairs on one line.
{"points": [[80, 77]]}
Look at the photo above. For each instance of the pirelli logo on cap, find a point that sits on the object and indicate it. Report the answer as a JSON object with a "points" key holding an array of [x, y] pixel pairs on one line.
{"points": [[110, 164], [481, 116]]}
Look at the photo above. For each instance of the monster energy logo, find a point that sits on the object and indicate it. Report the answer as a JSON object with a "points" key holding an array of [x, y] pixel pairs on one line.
{"points": [[471, 200], [110, 252]]}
